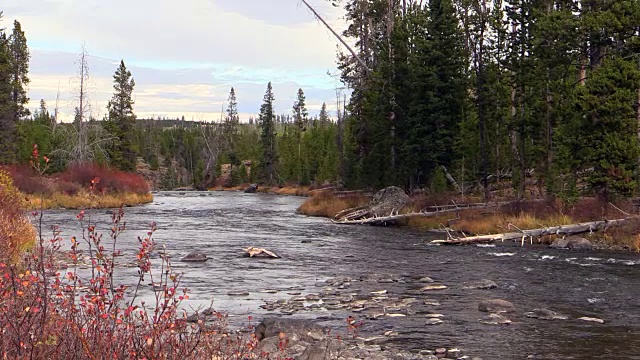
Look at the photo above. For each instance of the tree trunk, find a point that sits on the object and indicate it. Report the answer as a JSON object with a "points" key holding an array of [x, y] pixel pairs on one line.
{"points": [[572, 229]]}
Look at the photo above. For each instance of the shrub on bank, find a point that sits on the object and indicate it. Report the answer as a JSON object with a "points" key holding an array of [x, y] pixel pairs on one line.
{"points": [[111, 180], [27, 180], [48, 313], [16, 232], [76, 178]]}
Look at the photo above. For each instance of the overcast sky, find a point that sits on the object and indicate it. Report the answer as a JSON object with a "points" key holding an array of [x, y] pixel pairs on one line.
{"points": [[184, 55]]}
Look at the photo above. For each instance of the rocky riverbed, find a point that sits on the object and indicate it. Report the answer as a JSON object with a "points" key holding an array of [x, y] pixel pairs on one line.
{"points": [[401, 295]]}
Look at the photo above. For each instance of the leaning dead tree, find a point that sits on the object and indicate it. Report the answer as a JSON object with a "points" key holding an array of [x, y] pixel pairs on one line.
{"points": [[524, 235], [355, 55]]}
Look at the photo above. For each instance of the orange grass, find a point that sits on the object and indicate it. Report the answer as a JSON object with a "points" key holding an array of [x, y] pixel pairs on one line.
{"points": [[325, 203], [83, 200]]}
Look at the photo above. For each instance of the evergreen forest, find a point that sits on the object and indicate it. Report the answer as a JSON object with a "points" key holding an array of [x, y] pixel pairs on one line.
{"points": [[449, 95]]}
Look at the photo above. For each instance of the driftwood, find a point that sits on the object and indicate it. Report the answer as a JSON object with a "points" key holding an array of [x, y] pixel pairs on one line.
{"points": [[254, 251], [361, 215], [523, 235]]}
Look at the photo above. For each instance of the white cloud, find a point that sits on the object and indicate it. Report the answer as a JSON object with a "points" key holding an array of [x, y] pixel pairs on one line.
{"points": [[184, 55]]}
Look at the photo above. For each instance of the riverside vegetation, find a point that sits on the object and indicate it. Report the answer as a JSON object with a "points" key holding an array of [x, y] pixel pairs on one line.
{"points": [[512, 216]]}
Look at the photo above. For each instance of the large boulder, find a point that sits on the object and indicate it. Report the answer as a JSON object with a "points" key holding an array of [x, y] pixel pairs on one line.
{"points": [[572, 242], [387, 200], [579, 243]]}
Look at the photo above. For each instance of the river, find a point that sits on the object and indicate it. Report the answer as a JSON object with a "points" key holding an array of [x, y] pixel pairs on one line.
{"points": [[599, 284]]}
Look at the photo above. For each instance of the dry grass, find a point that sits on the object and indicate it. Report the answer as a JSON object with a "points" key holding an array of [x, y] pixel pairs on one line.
{"points": [[84, 200], [626, 236], [325, 203], [430, 223], [496, 222], [16, 232]]}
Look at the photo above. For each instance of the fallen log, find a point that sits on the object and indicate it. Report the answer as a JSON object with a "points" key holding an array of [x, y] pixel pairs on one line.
{"points": [[359, 217], [522, 235]]}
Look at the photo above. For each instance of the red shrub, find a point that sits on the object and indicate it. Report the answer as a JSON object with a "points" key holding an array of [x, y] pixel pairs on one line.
{"points": [[46, 313], [111, 180], [27, 180], [67, 187]]}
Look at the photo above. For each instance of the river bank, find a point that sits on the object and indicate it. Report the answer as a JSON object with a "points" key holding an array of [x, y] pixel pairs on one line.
{"points": [[291, 190], [86, 200], [510, 216]]}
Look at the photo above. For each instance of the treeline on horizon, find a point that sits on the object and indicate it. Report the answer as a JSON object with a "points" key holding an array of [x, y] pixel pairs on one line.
{"points": [[532, 91]]}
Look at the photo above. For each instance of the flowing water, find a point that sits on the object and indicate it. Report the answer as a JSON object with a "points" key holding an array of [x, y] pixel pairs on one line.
{"points": [[600, 284]]}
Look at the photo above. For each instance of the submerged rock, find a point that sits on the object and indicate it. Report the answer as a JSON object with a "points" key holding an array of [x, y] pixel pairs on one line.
{"points": [[496, 306], [483, 284], [495, 319], [545, 314], [195, 257]]}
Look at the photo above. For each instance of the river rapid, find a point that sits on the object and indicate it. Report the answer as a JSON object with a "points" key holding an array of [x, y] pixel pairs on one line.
{"points": [[338, 261]]}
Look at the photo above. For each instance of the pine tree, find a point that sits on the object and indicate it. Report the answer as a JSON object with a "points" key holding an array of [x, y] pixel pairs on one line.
{"points": [[300, 123], [439, 91], [231, 121], [601, 142], [269, 161], [323, 116], [122, 153], [7, 107], [19, 58]]}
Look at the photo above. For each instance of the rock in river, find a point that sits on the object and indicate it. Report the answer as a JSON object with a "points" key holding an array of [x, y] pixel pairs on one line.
{"points": [[195, 257], [591, 319], [496, 306], [545, 314], [483, 284], [302, 329], [495, 319], [572, 242], [253, 188]]}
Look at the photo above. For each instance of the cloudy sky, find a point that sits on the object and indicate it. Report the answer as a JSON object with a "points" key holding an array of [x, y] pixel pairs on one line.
{"points": [[184, 55]]}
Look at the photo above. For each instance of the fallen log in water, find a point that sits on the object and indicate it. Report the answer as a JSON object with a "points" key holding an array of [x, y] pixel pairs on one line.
{"points": [[523, 235], [361, 216]]}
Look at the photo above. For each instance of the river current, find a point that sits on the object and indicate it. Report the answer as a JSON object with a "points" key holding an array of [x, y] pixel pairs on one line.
{"points": [[597, 284]]}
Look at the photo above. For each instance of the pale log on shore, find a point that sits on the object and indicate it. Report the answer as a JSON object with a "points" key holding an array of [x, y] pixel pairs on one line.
{"points": [[563, 230]]}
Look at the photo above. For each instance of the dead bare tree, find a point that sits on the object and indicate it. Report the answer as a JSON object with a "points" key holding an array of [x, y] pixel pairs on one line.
{"points": [[82, 141]]}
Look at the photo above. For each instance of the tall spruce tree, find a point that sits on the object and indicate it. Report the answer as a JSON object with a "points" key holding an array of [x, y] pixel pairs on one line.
{"points": [[300, 122], [19, 58], [269, 160], [231, 121], [122, 153], [7, 107], [439, 91]]}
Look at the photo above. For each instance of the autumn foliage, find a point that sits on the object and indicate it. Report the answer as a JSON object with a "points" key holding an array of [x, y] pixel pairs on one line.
{"points": [[31, 179], [49, 309], [16, 232]]}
